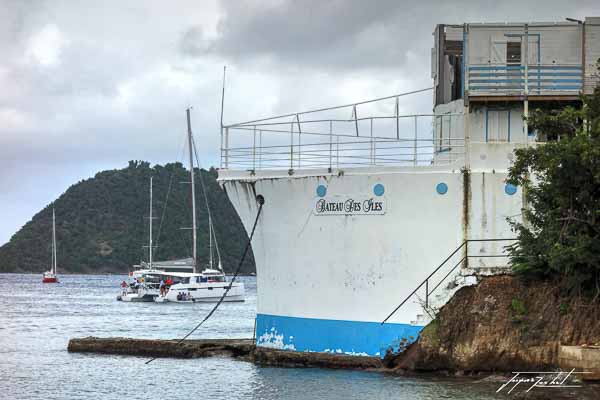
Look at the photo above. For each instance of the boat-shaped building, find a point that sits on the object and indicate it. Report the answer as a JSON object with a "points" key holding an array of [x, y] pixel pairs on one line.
{"points": [[373, 219]]}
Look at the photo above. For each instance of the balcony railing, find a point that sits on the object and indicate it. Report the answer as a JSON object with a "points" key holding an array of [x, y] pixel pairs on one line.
{"points": [[520, 80], [375, 134]]}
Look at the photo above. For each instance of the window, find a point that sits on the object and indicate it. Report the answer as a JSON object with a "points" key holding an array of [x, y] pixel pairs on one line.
{"points": [[513, 53]]}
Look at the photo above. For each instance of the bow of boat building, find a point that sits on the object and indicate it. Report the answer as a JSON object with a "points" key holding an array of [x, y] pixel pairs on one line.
{"points": [[372, 218]]}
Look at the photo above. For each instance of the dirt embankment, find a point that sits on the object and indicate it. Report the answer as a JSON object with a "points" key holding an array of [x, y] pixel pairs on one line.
{"points": [[502, 325]]}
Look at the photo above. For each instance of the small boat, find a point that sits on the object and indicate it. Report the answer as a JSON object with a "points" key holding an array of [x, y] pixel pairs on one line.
{"points": [[136, 294], [210, 284], [141, 290], [145, 279], [206, 287], [50, 276]]}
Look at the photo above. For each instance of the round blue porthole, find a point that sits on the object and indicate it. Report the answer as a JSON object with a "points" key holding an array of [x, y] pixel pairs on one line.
{"points": [[441, 188], [510, 189], [378, 189], [321, 190]]}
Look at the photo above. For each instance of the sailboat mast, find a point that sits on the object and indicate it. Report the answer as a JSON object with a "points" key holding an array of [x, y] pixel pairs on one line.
{"points": [[210, 251], [223, 101], [211, 231], [53, 242], [150, 239], [193, 186]]}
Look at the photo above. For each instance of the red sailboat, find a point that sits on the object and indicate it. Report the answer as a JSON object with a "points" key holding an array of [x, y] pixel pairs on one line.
{"points": [[50, 276]]}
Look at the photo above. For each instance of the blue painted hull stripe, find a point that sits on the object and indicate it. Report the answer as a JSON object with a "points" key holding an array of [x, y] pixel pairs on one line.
{"points": [[335, 336]]}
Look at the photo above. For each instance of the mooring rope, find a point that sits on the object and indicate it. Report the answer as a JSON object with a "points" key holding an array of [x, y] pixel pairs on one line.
{"points": [[261, 200]]}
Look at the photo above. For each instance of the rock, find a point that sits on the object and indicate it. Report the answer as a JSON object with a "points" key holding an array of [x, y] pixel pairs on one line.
{"points": [[501, 325], [238, 348]]}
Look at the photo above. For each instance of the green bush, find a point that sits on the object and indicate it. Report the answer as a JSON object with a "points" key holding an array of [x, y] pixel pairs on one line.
{"points": [[517, 307], [559, 237]]}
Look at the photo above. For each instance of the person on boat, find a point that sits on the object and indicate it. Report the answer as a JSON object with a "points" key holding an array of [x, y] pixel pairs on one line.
{"points": [[169, 282], [161, 287], [179, 296], [123, 285]]}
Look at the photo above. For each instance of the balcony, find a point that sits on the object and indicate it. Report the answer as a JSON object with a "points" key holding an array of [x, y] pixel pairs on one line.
{"points": [[519, 80]]}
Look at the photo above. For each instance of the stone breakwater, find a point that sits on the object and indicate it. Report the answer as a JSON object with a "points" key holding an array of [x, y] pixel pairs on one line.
{"points": [[243, 349]]}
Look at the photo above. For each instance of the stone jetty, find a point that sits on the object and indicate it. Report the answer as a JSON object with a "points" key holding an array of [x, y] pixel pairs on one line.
{"points": [[243, 349]]}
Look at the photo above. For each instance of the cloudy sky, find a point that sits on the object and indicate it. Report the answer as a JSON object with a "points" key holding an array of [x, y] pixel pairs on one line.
{"points": [[87, 86]]}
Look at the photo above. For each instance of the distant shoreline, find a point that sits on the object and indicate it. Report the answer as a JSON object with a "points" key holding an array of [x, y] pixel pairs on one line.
{"points": [[90, 273]]}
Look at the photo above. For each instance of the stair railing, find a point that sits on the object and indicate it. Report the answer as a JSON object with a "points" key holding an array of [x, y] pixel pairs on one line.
{"points": [[466, 257]]}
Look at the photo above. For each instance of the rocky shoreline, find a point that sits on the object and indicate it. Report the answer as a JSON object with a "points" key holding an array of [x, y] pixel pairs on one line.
{"points": [[501, 325]]}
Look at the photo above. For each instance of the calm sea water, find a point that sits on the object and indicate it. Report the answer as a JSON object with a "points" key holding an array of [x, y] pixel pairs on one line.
{"points": [[36, 322]]}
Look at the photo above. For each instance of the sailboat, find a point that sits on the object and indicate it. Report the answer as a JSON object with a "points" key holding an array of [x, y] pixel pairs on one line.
{"points": [[144, 288], [50, 276], [211, 283], [185, 283]]}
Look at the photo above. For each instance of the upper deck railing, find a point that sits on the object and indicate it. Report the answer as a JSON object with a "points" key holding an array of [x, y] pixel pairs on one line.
{"points": [[503, 79], [366, 133]]}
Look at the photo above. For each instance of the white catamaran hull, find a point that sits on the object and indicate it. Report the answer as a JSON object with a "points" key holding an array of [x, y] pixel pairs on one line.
{"points": [[139, 297], [206, 292]]}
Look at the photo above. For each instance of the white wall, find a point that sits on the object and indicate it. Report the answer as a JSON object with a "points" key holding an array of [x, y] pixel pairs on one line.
{"points": [[559, 43], [359, 268], [592, 53], [497, 124]]}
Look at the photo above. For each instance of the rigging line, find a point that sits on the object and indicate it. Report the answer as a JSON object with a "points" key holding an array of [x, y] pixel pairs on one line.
{"points": [[261, 202], [185, 240], [162, 217], [329, 108], [210, 228], [220, 266]]}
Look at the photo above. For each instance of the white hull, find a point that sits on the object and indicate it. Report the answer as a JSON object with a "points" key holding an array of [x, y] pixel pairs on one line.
{"points": [[204, 292], [142, 296], [326, 282], [228, 299]]}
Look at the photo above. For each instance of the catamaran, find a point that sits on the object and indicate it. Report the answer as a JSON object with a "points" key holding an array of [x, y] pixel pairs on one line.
{"points": [[179, 281], [211, 283], [50, 276]]}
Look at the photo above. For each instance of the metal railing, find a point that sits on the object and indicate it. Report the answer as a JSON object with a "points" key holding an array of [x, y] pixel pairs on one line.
{"points": [[521, 79], [463, 260], [374, 134]]}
